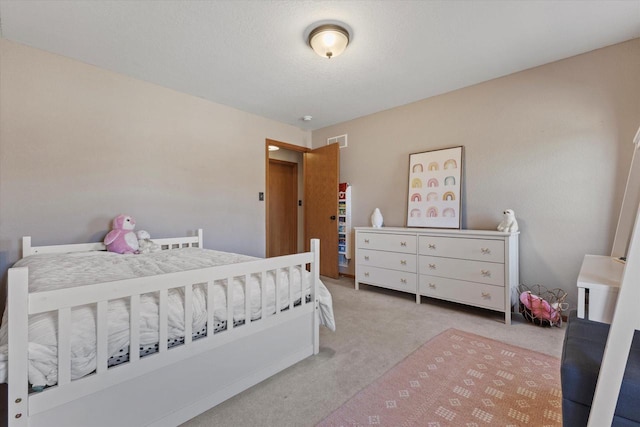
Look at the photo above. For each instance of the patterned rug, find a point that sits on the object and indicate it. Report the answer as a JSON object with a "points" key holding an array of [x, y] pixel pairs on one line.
{"points": [[460, 379]]}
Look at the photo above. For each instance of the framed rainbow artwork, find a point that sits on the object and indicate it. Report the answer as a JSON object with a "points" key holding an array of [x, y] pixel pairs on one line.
{"points": [[435, 188]]}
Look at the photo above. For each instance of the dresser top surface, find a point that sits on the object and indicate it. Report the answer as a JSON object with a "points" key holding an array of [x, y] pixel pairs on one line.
{"points": [[436, 231]]}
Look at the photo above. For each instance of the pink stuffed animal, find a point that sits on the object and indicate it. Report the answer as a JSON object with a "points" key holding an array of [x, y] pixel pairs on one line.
{"points": [[122, 239]]}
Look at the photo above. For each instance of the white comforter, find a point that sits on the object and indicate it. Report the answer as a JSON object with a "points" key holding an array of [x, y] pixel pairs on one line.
{"points": [[58, 271]]}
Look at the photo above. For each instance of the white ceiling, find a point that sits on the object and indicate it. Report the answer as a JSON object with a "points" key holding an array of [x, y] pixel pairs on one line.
{"points": [[252, 55]]}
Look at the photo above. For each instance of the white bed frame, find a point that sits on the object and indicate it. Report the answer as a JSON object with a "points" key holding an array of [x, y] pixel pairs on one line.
{"points": [[626, 319], [174, 384]]}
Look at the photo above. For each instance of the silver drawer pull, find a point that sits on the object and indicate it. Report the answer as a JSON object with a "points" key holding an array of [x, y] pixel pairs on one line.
{"points": [[403, 262], [403, 280], [432, 285], [485, 251], [366, 258], [486, 295], [485, 273], [366, 274], [366, 240], [432, 246], [403, 243], [432, 266]]}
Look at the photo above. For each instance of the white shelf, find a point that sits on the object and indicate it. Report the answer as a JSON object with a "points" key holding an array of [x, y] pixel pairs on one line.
{"points": [[344, 225], [599, 278]]}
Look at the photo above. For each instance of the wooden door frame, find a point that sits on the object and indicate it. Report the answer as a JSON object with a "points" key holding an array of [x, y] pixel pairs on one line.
{"points": [[285, 146]]}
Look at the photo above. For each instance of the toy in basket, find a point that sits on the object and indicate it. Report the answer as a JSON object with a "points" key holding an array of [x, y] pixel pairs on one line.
{"points": [[541, 306]]}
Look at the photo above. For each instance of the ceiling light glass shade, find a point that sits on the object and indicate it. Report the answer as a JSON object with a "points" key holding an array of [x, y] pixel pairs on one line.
{"points": [[329, 40]]}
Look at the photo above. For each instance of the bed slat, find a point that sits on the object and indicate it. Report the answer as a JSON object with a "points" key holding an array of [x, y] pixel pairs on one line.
{"points": [[303, 299], [163, 321], [210, 306], [247, 300], [229, 303], [188, 314], [134, 328], [290, 287], [64, 346], [102, 332], [263, 295], [277, 290]]}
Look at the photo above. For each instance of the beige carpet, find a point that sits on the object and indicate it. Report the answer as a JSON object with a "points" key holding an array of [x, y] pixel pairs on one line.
{"points": [[460, 379]]}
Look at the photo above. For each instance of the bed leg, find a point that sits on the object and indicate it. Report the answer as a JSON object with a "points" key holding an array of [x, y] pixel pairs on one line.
{"points": [[18, 343], [315, 274]]}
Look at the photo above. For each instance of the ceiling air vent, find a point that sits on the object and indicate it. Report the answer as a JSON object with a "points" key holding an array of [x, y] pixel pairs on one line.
{"points": [[341, 140]]}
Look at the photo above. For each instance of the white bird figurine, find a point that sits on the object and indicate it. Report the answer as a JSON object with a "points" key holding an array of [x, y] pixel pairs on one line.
{"points": [[376, 218]]}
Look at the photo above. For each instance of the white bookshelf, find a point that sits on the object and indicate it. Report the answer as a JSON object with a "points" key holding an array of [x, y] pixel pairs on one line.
{"points": [[345, 246]]}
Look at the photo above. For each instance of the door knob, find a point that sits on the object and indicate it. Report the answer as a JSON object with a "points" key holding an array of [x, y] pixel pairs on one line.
{"points": [[332, 217]]}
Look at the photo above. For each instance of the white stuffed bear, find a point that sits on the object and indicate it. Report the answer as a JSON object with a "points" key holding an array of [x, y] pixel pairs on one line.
{"points": [[145, 244], [509, 223]]}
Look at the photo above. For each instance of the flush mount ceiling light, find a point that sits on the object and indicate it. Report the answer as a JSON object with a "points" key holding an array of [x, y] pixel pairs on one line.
{"points": [[329, 40]]}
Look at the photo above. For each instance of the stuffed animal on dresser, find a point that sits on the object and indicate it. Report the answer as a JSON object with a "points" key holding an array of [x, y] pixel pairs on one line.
{"points": [[145, 244], [509, 223], [121, 239]]}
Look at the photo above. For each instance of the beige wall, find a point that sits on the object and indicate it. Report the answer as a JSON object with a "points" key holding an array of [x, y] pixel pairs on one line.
{"points": [[79, 145], [554, 143]]}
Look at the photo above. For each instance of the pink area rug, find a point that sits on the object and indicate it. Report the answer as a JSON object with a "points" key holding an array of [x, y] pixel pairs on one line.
{"points": [[460, 379]]}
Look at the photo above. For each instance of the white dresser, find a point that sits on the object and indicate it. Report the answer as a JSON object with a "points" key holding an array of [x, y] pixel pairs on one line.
{"points": [[473, 267]]}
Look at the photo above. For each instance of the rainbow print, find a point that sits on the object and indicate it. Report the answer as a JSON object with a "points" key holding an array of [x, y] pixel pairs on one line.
{"points": [[450, 164], [435, 188]]}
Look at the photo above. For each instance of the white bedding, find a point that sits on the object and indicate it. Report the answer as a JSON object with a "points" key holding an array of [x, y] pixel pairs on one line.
{"points": [[58, 271]]}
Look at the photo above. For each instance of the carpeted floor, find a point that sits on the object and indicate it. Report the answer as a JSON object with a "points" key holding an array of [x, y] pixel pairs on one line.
{"points": [[460, 379], [376, 329]]}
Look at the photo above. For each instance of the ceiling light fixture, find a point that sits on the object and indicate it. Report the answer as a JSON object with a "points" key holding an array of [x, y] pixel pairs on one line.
{"points": [[329, 40]]}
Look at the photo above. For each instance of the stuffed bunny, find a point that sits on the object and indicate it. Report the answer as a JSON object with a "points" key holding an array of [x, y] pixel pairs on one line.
{"points": [[121, 239], [146, 245]]}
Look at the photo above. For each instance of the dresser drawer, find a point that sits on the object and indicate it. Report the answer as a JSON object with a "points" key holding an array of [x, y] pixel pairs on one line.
{"points": [[388, 242], [392, 279], [476, 294], [472, 271], [475, 249], [392, 260]]}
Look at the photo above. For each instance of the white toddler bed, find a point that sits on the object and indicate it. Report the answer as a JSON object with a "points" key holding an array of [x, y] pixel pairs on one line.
{"points": [[75, 311]]}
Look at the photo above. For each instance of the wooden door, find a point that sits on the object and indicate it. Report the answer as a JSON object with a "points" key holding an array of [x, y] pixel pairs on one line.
{"points": [[321, 176], [282, 236]]}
